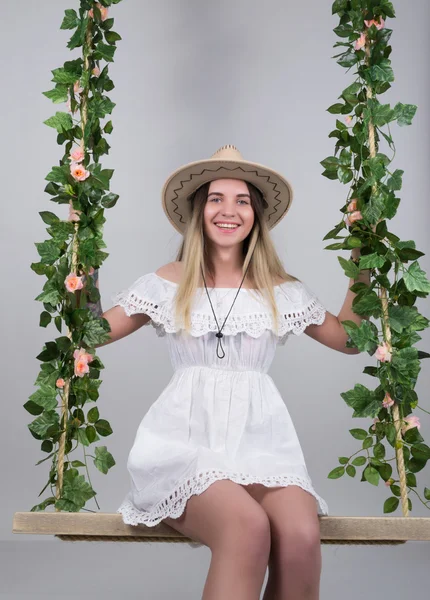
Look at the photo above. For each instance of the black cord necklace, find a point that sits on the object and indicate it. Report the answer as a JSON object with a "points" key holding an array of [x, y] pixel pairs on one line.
{"points": [[219, 335]]}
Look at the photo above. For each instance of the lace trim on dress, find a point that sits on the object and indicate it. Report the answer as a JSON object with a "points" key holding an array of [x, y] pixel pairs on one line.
{"points": [[294, 316], [173, 506]]}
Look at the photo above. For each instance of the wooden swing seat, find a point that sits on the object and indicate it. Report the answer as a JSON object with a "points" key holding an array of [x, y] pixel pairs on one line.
{"points": [[109, 527]]}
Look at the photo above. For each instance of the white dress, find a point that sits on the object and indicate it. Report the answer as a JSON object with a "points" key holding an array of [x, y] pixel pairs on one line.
{"points": [[217, 418]]}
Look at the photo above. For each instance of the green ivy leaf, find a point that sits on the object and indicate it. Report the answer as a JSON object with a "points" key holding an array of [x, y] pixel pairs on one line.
{"points": [[415, 279], [379, 450], [371, 475], [350, 269], [75, 493], [42, 424], [61, 122], [103, 427], [358, 434], [336, 473], [351, 471], [104, 459], [371, 261], [364, 401], [93, 415], [395, 181], [391, 504], [404, 113]]}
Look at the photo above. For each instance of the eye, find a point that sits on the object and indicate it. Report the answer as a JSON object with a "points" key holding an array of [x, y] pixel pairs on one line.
{"points": [[218, 198]]}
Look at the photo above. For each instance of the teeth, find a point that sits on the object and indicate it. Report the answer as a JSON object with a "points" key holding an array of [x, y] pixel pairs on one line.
{"points": [[227, 226]]}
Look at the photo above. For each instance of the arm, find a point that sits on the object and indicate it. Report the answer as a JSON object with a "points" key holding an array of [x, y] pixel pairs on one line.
{"points": [[121, 325], [331, 333]]}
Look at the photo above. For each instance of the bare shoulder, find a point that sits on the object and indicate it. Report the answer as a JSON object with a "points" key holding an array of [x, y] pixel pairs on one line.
{"points": [[171, 271]]}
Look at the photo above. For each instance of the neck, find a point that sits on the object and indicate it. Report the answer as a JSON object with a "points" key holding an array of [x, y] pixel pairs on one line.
{"points": [[226, 267]]}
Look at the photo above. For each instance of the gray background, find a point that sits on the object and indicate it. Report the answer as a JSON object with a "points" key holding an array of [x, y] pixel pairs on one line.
{"points": [[191, 77]]}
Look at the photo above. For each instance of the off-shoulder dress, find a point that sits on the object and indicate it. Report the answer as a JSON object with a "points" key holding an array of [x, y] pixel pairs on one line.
{"points": [[217, 418]]}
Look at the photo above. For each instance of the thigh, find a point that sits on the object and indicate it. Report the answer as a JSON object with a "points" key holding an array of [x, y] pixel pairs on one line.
{"points": [[223, 511]]}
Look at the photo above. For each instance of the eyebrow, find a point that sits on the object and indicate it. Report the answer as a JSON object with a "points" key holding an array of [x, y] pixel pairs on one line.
{"points": [[237, 195]]}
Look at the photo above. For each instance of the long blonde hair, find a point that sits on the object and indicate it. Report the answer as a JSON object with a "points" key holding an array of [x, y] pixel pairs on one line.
{"points": [[258, 252]]}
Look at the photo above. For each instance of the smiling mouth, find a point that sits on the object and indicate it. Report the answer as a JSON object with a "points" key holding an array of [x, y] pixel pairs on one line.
{"points": [[227, 229]]}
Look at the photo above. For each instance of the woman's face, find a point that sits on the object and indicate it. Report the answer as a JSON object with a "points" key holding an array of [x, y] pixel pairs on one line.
{"points": [[228, 201]]}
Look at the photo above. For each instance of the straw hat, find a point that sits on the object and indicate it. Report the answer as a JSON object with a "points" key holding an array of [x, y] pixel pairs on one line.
{"points": [[226, 163]]}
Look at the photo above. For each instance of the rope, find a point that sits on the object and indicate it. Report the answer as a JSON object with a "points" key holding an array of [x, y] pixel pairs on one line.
{"points": [[387, 335], [65, 397]]}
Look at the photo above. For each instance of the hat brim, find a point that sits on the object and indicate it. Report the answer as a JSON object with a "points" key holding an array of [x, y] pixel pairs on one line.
{"points": [[277, 191]]}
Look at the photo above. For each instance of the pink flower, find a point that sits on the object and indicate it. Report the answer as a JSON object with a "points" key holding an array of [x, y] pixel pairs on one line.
{"points": [[60, 383], [412, 421], [389, 482], [104, 11], [73, 214], [73, 282], [82, 354], [387, 401], [375, 420], [360, 42], [79, 172], [382, 353], [77, 155], [81, 368], [96, 71], [378, 24], [82, 358], [348, 119], [352, 217], [352, 205], [77, 88]]}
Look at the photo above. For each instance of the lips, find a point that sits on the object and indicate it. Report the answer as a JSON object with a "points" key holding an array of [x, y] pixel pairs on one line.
{"points": [[227, 229]]}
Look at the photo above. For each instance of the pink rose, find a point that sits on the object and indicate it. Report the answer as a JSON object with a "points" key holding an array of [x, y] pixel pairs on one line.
{"points": [[378, 25], [387, 401], [79, 172], [96, 71], [389, 482], [82, 354], [360, 42], [348, 119], [104, 11], [73, 282], [81, 368], [77, 88], [77, 155], [73, 213], [60, 383], [412, 421], [375, 420], [352, 217], [382, 353], [352, 206]]}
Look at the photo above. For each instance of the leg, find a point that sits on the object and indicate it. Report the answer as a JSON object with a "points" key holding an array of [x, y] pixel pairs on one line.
{"points": [[295, 560], [237, 530]]}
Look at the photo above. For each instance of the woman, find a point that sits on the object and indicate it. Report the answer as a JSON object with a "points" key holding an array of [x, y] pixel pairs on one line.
{"points": [[217, 456]]}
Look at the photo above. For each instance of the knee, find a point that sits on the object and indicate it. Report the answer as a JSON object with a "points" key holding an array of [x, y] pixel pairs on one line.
{"points": [[248, 535], [300, 545]]}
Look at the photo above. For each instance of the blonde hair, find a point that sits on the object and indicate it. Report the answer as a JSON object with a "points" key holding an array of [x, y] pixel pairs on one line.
{"points": [[258, 252]]}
